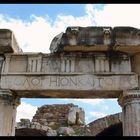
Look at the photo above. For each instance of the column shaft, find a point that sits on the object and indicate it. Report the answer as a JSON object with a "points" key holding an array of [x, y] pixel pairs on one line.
{"points": [[130, 102], [8, 105]]}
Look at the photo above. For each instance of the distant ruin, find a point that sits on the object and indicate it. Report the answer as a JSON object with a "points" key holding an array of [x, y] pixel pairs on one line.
{"points": [[60, 119], [51, 119], [60, 115]]}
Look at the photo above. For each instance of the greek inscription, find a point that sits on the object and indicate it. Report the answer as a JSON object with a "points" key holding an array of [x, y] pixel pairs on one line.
{"points": [[75, 82], [64, 81], [109, 81], [70, 81], [27, 82], [18, 82], [100, 82], [82, 82], [53, 80], [35, 81]]}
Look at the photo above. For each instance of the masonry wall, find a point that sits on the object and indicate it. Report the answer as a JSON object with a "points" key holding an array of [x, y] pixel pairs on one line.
{"points": [[53, 115]]}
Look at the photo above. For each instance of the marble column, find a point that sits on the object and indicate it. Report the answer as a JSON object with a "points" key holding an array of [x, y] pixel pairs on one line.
{"points": [[130, 103], [8, 105]]}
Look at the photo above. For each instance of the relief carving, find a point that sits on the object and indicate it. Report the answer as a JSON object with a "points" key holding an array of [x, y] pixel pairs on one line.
{"points": [[51, 65], [34, 63]]}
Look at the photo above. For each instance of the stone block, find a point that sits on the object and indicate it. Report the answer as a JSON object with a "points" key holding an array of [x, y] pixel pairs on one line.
{"points": [[51, 132], [90, 39], [66, 131], [8, 43], [24, 120], [76, 116]]}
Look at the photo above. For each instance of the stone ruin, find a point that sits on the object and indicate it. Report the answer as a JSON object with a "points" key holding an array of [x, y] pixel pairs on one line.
{"points": [[54, 120], [110, 125], [85, 62], [90, 39], [60, 115]]}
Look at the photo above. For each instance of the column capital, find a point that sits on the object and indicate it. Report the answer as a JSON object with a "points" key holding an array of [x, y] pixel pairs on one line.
{"points": [[129, 96], [7, 98]]}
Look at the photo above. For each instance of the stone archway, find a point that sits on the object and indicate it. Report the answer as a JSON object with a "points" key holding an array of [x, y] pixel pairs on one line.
{"points": [[27, 128], [105, 126], [29, 132], [114, 130], [110, 69]]}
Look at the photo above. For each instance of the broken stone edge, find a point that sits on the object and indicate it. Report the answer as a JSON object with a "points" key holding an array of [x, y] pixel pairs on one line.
{"points": [[8, 43]]}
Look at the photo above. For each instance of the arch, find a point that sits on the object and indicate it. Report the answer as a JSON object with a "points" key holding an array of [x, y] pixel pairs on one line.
{"points": [[29, 132], [33, 129], [113, 130], [105, 126]]}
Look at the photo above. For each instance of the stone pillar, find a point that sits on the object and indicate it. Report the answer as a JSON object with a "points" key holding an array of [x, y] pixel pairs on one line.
{"points": [[130, 103], [8, 105]]}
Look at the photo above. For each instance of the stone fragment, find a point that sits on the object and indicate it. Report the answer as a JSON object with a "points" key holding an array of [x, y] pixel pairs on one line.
{"points": [[90, 39], [76, 116], [51, 123], [8, 43], [24, 120], [51, 132], [66, 131], [56, 42], [54, 115], [47, 115]]}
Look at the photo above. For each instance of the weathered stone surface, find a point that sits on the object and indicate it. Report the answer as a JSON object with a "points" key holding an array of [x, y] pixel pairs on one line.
{"points": [[74, 75], [88, 39], [126, 36], [58, 115], [30, 132], [55, 42], [8, 104], [91, 62], [66, 131], [8, 43], [96, 127], [58, 118], [75, 37], [130, 102], [51, 132], [47, 115], [51, 124], [72, 117], [24, 120], [26, 125], [76, 116], [67, 63]]}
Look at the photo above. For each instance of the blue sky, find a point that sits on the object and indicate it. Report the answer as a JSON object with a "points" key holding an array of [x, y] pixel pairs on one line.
{"points": [[24, 11], [35, 25], [94, 108]]}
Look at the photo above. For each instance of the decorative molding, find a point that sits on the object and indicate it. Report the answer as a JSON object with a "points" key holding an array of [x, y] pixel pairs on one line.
{"points": [[129, 96], [7, 98]]}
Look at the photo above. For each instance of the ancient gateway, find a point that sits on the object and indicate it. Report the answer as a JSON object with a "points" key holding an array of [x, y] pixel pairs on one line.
{"points": [[85, 62]]}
